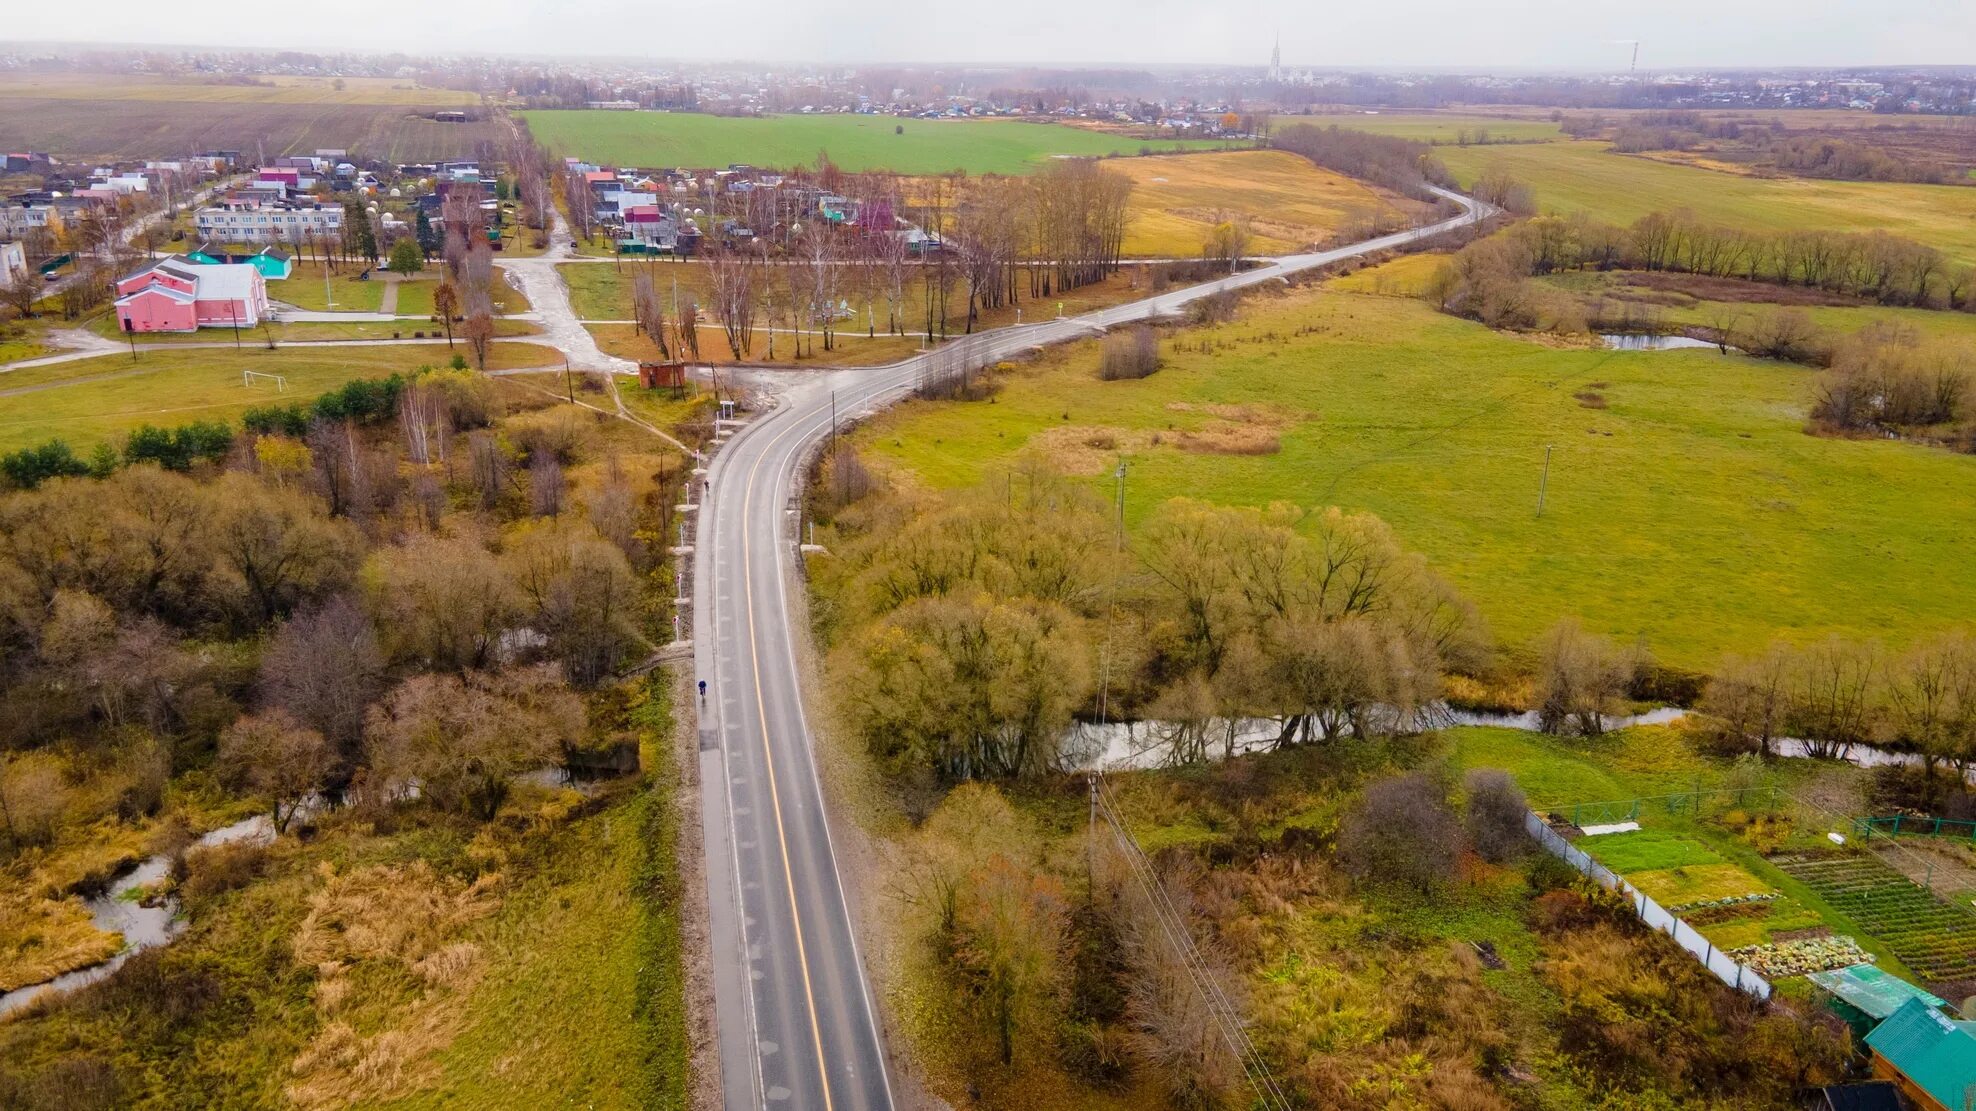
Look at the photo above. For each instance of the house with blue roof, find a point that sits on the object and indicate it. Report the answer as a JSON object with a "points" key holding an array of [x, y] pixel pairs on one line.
{"points": [[1930, 1056]]}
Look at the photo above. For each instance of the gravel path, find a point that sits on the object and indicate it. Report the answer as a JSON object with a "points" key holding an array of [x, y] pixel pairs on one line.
{"points": [[548, 294]]}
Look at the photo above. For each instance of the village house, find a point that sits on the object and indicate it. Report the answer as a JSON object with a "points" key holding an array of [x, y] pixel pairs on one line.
{"points": [[171, 295]]}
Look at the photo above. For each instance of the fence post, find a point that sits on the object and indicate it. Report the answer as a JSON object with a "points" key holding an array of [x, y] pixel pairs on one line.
{"points": [[1897, 825]]}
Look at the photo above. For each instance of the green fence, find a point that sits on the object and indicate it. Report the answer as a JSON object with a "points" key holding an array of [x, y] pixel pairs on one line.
{"points": [[1614, 811], [1912, 825]]}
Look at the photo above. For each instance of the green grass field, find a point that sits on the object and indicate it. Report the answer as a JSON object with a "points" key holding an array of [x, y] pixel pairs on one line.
{"points": [[855, 143], [92, 400], [1693, 511], [1586, 177]]}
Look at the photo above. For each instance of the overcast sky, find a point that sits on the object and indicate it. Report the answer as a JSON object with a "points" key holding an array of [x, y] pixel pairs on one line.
{"points": [[1574, 34]]}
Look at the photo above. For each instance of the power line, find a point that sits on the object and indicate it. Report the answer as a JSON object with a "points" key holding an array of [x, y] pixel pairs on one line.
{"points": [[1173, 925]]}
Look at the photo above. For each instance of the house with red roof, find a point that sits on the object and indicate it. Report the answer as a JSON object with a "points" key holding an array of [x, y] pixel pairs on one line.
{"points": [[172, 295]]}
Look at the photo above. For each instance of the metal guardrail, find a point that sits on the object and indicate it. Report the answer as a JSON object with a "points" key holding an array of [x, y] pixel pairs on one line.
{"points": [[1724, 967]]}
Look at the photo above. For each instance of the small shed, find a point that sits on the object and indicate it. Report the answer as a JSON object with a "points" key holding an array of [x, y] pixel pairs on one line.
{"points": [[1931, 1056], [658, 376]]}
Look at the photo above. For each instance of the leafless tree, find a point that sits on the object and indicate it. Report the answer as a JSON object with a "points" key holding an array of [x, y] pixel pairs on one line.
{"points": [[734, 275], [278, 757], [323, 666]]}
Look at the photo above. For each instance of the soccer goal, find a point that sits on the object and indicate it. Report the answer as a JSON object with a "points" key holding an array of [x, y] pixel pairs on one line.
{"points": [[247, 379]]}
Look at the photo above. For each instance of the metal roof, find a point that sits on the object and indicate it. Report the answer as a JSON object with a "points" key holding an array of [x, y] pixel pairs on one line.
{"points": [[1871, 990], [1934, 1051]]}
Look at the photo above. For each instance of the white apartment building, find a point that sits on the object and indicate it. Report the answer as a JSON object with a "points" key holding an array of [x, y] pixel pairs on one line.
{"points": [[269, 222]]}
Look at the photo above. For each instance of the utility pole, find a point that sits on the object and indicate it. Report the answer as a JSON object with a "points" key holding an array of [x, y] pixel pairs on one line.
{"points": [[1543, 484], [568, 386]]}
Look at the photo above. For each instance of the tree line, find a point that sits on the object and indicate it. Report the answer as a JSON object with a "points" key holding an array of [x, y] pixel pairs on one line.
{"points": [[1876, 266], [972, 635], [1402, 165], [406, 594]]}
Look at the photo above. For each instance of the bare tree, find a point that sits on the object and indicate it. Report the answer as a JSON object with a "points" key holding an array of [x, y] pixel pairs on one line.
{"points": [[733, 275], [323, 666], [278, 757], [1583, 678], [648, 308]]}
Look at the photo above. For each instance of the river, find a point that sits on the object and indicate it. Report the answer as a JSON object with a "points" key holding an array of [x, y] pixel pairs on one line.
{"points": [[142, 926]]}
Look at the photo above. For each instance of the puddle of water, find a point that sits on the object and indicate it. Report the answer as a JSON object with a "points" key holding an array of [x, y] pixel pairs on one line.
{"points": [[1646, 341], [120, 911]]}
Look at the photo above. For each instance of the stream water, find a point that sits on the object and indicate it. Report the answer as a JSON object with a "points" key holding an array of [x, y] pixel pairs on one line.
{"points": [[121, 910], [1649, 341], [1127, 745]]}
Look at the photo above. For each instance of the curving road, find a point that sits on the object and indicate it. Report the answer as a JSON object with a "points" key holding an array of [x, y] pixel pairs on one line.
{"points": [[797, 1025]]}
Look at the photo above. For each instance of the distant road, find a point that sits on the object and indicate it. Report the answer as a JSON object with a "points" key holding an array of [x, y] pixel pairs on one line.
{"points": [[798, 1028]]}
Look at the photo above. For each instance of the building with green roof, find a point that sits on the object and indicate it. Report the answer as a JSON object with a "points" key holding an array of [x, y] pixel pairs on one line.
{"points": [[1931, 1056]]}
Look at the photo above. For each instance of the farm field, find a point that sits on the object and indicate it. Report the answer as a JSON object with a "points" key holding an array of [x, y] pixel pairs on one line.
{"points": [[1291, 203], [855, 143], [1691, 510], [89, 401], [107, 117], [1584, 176]]}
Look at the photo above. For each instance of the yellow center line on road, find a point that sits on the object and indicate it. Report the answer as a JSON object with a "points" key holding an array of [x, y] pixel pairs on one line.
{"points": [[775, 796]]}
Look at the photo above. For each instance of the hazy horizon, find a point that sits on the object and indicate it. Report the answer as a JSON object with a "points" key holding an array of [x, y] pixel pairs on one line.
{"points": [[1438, 34]]}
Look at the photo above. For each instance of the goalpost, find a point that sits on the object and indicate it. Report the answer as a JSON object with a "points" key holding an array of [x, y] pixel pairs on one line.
{"points": [[247, 379]]}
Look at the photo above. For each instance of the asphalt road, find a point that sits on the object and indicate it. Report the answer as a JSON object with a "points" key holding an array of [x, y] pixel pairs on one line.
{"points": [[798, 1028]]}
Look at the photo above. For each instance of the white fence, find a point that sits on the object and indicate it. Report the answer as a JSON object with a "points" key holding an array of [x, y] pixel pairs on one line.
{"points": [[1687, 937]]}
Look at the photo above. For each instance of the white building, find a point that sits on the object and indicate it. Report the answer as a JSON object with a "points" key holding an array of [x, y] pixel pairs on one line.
{"points": [[13, 260], [253, 221]]}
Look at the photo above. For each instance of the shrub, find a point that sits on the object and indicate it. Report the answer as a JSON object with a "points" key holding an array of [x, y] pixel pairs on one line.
{"points": [[1496, 810], [1133, 353], [1215, 308], [277, 420], [32, 466], [178, 449], [365, 400], [1401, 832], [214, 870]]}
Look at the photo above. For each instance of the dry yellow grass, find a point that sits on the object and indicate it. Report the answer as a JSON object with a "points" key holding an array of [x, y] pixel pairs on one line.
{"points": [[1290, 203], [393, 972], [1405, 276], [42, 938]]}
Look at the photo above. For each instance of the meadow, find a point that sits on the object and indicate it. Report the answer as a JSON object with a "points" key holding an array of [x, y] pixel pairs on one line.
{"points": [[1291, 203], [89, 401], [1585, 176], [98, 116], [855, 143], [1691, 510], [1433, 127]]}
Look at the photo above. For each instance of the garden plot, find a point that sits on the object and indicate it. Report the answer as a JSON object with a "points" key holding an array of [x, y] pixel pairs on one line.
{"points": [[1935, 939], [1732, 907]]}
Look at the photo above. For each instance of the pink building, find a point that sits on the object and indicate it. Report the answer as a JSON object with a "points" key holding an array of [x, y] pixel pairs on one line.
{"points": [[174, 296]]}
